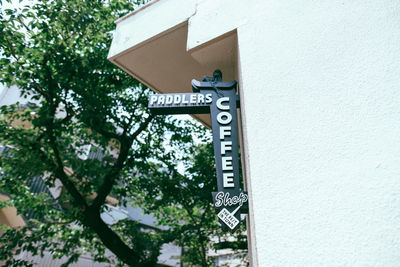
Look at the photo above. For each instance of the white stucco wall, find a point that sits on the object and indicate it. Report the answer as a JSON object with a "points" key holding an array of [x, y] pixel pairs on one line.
{"points": [[321, 105], [320, 98]]}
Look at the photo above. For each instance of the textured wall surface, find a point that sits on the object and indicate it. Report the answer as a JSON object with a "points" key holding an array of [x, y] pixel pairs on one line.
{"points": [[321, 92]]}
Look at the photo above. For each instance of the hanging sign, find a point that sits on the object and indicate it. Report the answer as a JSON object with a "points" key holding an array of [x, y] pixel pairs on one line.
{"points": [[220, 100]]}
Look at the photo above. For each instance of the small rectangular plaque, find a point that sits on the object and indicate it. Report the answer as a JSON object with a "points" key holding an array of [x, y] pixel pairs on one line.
{"points": [[228, 218]]}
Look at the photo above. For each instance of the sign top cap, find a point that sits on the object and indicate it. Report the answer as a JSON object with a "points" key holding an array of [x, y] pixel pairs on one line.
{"points": [[212, 82]]}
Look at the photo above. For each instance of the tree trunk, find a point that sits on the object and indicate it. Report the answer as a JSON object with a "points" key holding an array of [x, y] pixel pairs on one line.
{"points": [[203, 255], [110, 239]]}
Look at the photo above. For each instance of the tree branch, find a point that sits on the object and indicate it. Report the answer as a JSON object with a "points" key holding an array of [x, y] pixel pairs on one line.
{"points": [[59, 170], [106, 134], [11, 48], [23, 24], [64, 178], [111, 177], [142, 127], [110, 239]]}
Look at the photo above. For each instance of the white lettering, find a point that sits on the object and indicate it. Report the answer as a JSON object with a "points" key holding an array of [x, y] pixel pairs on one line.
{"points": [[222, 120], [184, 100], [161, 100], [193, 98], [223, 199], [208, 98], [224, 131], [169, 99], [228, 180], [219, 103], [227, 164], [219, 199], [177, 99], [200, 98], [153, 99], [226, 146]]}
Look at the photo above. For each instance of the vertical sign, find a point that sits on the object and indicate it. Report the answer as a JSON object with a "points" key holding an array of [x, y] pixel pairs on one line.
{"points": [[220, 99]]}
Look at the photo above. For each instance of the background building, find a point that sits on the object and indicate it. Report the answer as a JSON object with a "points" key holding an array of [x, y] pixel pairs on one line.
{"points": [[320, 114]]}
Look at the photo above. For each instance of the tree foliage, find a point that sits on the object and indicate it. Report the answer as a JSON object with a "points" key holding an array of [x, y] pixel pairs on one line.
{"points": [[56, 53], [183, 202]]}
